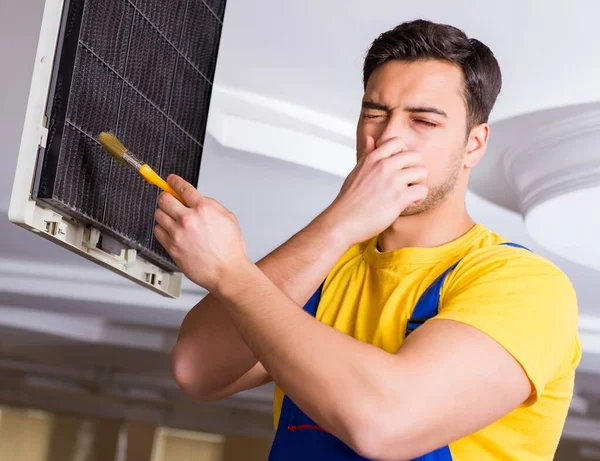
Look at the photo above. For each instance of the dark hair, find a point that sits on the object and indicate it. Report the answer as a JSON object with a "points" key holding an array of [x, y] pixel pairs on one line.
{"points": [[422, 40]]}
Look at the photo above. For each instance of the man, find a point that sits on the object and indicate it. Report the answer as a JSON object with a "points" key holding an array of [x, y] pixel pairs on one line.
{"points": [[432, 335]]}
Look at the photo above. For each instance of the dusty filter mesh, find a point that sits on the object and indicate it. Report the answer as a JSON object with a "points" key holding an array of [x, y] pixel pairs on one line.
{"points": [[142, 69]]}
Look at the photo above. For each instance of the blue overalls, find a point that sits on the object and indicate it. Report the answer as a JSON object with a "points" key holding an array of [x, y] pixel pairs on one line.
{"points": [[299, 438]]}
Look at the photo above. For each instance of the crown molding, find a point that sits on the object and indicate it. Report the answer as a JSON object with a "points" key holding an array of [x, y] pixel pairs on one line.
{"points": [[40, 280], [560, 156], [296, 117], [259, 125], [86, 284]]}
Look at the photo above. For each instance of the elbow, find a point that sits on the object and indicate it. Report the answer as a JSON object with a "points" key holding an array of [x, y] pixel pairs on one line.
{"points": [[187, 375], [369, 443], [377, 446], [381, 438]]}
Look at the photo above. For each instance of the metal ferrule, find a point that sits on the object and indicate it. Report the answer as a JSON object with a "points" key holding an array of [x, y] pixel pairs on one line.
{"points": [[132, 161]]}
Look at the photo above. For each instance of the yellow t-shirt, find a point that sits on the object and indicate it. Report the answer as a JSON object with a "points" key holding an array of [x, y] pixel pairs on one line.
{"points": [[514, 296]]}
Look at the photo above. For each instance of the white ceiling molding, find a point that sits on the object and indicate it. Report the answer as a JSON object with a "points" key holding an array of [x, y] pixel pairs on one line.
{"points": [[258, 107], [590, 343], [569, 224], [589, 323], [519, 142], [562, 156], [252, 123], [546, 166], [87, 284], [112, 299], [74, 327], [84, 328]]}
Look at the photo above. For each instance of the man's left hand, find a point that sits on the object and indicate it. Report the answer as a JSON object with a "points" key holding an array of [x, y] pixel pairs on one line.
{"points": [[203, 238]]}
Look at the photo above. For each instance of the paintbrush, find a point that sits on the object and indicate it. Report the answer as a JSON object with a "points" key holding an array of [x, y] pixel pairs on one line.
{"points": [[121, 154]]}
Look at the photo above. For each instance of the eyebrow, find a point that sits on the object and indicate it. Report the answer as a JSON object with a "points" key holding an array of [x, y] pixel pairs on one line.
{"points": [[374, 105]]}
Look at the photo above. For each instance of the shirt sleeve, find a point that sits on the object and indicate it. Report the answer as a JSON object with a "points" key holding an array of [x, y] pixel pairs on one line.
{"points": [[524, 303]]}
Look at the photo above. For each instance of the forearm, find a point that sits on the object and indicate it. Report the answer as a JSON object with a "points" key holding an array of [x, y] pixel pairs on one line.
{"points": [[210, 353], [321, 369]]}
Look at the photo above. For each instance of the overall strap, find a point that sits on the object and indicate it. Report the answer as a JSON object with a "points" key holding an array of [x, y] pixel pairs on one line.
{"points": [[428, 304], [516, 245], [313, 303]]}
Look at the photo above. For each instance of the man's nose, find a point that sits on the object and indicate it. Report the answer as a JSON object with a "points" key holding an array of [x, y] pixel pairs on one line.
{"points": [[399, 139], [393, 129]]}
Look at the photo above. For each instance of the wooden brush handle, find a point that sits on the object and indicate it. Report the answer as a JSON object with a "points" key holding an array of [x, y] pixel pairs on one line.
{"points": [[150, 175]]}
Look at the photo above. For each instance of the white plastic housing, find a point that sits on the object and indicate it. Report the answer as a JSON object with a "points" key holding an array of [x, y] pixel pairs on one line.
{"points": [[56, 226]]}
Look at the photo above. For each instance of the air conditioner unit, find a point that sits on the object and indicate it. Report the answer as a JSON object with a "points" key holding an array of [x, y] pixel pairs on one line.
{"points": [[142, 69]]}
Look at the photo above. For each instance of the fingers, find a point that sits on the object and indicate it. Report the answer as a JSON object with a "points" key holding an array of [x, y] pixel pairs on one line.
{"points": [[162, 236], [414, 194], [190, 195], [402, 160], [164, 220], [171, 206], [388, 148], [406, 170], [412, 175]]}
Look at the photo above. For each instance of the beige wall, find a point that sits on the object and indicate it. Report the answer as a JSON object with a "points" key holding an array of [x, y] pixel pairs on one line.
{"points": [[63, 438], [140, 441], [246, 449], [75, 438], [173, 444], [24, 435], [27, 435]]}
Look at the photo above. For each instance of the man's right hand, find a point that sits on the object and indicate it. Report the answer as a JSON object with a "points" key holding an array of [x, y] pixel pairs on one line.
{"points": [[211, 359], [386, 180]]}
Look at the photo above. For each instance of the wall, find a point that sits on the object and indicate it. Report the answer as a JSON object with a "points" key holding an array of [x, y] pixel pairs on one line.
{"points": [[246, 449], [24, 435]]}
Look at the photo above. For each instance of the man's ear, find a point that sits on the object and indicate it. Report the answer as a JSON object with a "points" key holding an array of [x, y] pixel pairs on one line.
{"points": [[476, 144]]}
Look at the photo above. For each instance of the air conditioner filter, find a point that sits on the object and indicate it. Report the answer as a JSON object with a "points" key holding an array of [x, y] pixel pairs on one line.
{"points": [[142, 69]]}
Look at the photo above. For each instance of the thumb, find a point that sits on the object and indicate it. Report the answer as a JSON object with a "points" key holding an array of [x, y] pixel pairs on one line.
{"points": [[191, 196]]}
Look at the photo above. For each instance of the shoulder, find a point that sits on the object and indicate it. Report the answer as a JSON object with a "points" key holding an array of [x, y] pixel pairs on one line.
{"points": [[521, 300], [496, 261], [511, 281]]}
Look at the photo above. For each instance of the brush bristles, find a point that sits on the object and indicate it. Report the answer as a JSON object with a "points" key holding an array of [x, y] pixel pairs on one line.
{"points": [[113, 146]]}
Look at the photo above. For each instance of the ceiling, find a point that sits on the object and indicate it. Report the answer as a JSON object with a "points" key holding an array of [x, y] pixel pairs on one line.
{"points": [[286, 97]]}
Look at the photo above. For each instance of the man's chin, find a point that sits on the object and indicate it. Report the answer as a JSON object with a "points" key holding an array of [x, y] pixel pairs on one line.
{"points": [[414, 210]]}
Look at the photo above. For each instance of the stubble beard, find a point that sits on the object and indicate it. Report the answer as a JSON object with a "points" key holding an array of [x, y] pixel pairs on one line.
{"points": [[438, 193]]}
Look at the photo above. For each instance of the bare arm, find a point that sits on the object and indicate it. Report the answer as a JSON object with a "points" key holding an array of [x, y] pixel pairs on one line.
{"points": [[211, 360], [481, 380]]}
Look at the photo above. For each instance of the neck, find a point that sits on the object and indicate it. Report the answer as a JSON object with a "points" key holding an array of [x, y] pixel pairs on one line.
{"points": [[429, 229]]}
